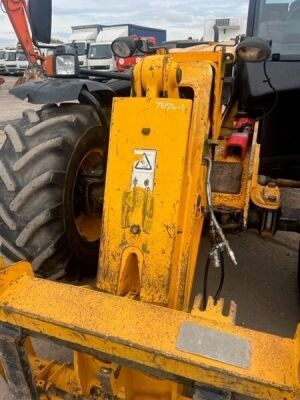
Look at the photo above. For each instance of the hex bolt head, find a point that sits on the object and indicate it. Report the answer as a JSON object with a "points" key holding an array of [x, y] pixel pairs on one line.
{"points": [[146, 131], [135, 229], [272, 199], [262, 180]]}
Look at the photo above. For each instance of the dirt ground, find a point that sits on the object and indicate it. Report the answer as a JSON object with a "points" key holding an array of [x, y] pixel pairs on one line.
{"points": [[263, 285]]}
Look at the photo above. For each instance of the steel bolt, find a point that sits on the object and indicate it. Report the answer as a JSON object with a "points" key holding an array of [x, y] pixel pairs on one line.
{"points": [[262, 180], [135, 229], [272, 199], [146, 131]]}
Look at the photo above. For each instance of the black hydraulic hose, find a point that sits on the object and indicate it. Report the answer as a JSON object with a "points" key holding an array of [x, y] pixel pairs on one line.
{"points": [[205, 284], [274, 106], [222, 279], [106, 75]]}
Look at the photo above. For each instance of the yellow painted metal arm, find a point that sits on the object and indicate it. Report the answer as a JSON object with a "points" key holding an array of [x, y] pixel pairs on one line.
{"points": [[146, 336]]}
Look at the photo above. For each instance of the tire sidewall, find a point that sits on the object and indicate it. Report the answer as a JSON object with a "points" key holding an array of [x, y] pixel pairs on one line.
{"points": [[84, 252]]}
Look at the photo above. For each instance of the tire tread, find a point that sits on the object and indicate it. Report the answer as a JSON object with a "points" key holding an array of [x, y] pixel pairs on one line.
{"points": [[34, 162]]}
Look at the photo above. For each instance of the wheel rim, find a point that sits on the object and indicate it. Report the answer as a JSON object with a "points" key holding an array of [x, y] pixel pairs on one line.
{"points": [[88, 195]]}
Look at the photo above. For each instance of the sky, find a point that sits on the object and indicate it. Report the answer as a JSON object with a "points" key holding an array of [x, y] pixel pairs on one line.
{"points": [[181, 18]]}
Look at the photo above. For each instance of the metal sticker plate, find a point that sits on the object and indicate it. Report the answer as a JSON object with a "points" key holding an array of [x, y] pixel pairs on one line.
{"points": [[210, 343], [144, 169]]}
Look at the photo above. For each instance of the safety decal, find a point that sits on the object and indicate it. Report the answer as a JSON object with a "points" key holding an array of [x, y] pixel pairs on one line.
{"points": [[144, 169]]}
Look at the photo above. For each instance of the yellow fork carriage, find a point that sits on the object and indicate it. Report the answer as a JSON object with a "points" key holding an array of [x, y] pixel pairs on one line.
{"points": [[137, 337]]}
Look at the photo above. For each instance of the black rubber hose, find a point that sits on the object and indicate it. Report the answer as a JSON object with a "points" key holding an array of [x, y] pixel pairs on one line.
{"points": [[276, 101], [205, 284], [222, 279]]}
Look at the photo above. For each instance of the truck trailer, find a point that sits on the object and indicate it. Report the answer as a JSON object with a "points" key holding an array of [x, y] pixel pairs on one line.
{"points": [[81, 38]]}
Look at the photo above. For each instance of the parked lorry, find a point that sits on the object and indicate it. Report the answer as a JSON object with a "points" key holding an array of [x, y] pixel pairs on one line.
{"points": [[81, 38], [21, 62], [2, 62], [228, 28], [10, 60], [15, 61], [100, 55]]}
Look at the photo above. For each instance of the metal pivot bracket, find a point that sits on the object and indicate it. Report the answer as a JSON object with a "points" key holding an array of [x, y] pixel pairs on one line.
{"points": [[15, 363]]}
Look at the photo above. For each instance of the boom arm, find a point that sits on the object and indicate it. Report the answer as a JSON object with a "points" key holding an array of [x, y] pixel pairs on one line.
{"points": [[17, 13]]}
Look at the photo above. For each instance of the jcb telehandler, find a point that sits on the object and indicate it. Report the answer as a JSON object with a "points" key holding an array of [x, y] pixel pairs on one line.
{"points": [[180, 154]]}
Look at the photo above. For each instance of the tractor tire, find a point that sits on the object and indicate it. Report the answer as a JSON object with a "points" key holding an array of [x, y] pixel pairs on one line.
{"points": [[40, 161], [298, 271]]}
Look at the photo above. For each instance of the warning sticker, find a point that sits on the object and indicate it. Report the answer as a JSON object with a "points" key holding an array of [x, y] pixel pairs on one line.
{"points": [[144, 169]]}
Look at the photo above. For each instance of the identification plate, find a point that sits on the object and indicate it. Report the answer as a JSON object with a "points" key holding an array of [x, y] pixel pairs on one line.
{"points": [[213, 344]]}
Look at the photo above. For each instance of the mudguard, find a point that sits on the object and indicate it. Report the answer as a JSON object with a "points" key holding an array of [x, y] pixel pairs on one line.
{"points": [[56, 90]]}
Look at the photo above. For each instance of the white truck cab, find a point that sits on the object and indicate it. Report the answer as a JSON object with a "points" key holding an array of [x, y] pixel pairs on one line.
{"points": [[81, 38], [2, 62], [22, 62], [100, 56], [10, 61]]}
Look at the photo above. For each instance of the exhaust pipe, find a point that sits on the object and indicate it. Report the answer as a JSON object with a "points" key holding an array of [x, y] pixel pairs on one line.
{"points": [[216, 33]]}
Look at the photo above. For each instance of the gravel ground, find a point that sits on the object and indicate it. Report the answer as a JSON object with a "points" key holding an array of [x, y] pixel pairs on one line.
{"points": [[264, 284], [11, 107]]}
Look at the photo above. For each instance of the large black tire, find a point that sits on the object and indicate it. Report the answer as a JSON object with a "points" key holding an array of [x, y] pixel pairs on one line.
{"points": [[39, 162], [298, 271]]}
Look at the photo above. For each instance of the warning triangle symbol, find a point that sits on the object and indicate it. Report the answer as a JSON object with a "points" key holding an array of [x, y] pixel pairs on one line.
{"points": [[144, 164]]}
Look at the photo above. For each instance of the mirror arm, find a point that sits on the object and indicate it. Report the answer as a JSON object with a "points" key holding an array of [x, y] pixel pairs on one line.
{"points": [[17, 14]]}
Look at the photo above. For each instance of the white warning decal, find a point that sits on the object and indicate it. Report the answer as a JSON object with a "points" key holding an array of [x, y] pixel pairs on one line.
{"points": [[144, 169], [144, 164]]}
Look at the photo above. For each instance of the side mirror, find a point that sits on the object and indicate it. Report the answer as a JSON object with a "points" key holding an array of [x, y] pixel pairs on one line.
{"points": [[40, 18], [253, 50]]}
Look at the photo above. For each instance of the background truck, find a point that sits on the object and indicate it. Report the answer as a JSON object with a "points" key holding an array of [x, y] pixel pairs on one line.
{"points": [[100, 55], [2, 62], [82, 36], [229, 28], [10, 60], [21, 62], [15, 61]]}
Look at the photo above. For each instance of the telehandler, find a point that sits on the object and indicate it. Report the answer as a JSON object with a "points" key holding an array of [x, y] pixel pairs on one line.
{"points": [[180, 154]]}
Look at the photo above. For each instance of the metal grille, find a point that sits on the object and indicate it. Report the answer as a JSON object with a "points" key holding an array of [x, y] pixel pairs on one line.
{"points": [[223, 22]]}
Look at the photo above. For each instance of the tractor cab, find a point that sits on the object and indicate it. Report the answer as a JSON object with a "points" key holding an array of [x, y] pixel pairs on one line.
{"points": [[271, 90], [278, 22]]}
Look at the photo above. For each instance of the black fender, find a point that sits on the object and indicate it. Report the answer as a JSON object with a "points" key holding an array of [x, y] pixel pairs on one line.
{"points": [[59, 90]]}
